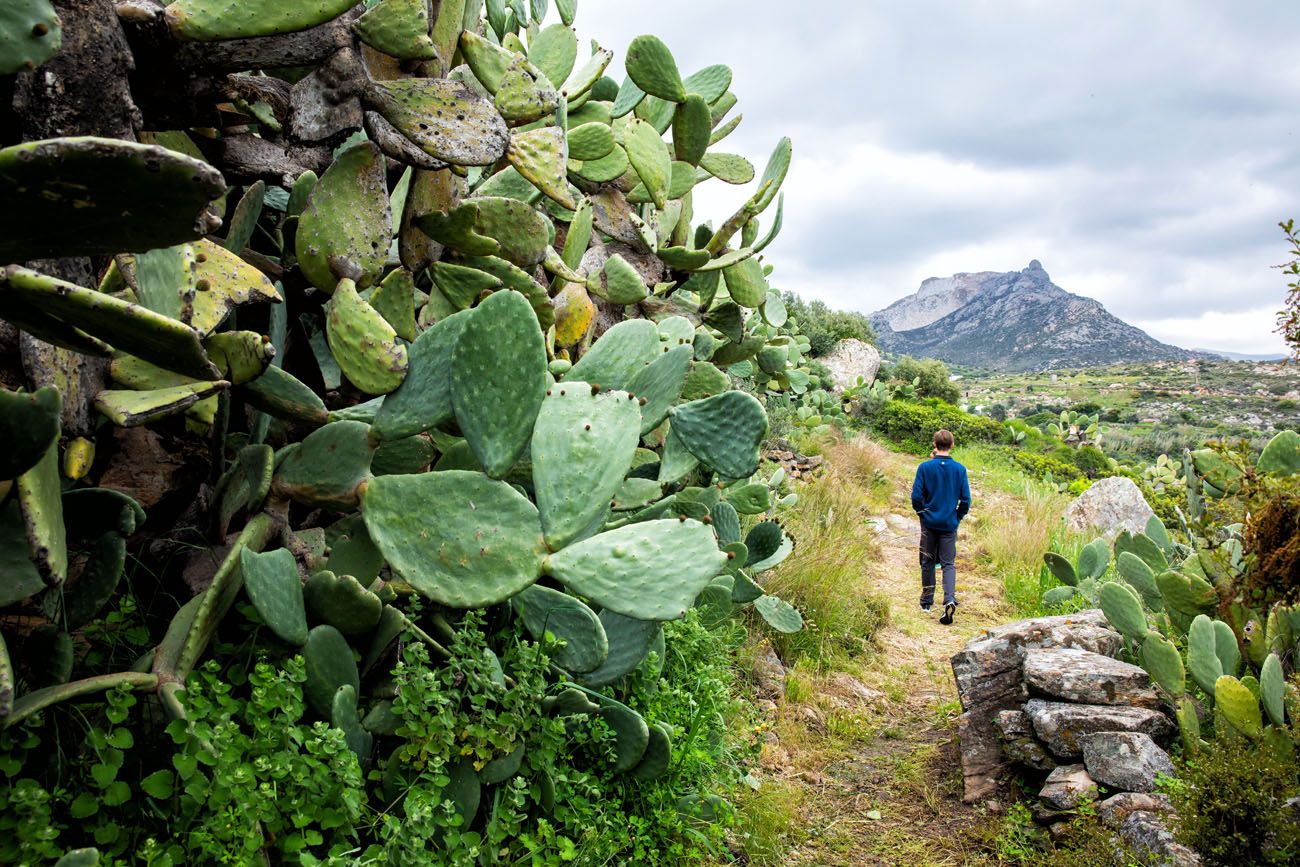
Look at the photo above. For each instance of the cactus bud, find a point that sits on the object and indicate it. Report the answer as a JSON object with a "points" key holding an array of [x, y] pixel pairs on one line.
{"points": [[641, 401], [595, 389]]}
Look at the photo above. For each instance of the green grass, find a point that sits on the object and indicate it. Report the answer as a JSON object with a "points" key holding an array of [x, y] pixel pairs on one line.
{"points": [[826, 579]]}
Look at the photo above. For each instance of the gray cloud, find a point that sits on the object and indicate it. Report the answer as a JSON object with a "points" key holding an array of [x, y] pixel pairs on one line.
{"points": [[1144, 152]]}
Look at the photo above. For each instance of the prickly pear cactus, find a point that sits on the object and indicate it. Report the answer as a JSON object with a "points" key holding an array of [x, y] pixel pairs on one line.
{"points": [[432, 318]]}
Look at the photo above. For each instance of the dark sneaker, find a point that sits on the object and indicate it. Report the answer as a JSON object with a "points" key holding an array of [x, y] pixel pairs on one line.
{"points": [[948, 611], [925, 607]]}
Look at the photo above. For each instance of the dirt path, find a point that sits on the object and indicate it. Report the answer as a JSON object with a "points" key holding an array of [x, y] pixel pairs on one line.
{"points": [[894, 797]]}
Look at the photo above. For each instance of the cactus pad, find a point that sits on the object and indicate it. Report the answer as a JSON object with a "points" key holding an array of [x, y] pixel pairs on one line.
{"points": [[1164, 663], [1225, 647], [1272, 689], [658, 385], [213, 20], [723, 432], [244, 486], [328, 467], [80, 197], [1123, 609], [30, 34], [631, 734], [329, 666], [498, 376], [398, 28], [364, 345], [751, 499], [779, 614], [345, 228], [618, 355], [40, 500], [224, 281], [545, 610], [129, 327], [458, 537], [1134, 570], [651, 66], [542, 156], [423, 400], [272, 582], [1202, 658], [649, 157], [1238, 706], [283, 395], [658, 754], [590, 141], [618, 282], [342, 602], [29, 424], [1094, 558], [18, 576], [651, 570], [629, 640], [445, 119], [1282, 455], [1187, 594], [582, 447]]}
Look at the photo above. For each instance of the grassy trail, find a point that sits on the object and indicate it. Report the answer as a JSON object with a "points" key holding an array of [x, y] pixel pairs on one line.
{"points": [[879, 782]]}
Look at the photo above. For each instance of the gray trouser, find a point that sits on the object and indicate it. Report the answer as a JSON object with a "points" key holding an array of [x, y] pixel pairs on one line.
{"points": [[938, 547]]}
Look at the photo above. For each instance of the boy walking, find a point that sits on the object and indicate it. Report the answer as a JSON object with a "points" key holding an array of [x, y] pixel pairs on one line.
{"points": [[940, 498]]}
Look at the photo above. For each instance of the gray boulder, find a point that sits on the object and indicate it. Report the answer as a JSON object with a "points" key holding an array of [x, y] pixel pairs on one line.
{"points": [[1018, 743], [1067, 787], [1115, 809], [1147, 833], [1128, 761], [1109, 506], [1081, 676], [1061, 726], [850, 359]]}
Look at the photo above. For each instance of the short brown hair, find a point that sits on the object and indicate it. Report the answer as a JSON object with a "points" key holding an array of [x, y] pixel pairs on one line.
{"points": [[943, 440]]}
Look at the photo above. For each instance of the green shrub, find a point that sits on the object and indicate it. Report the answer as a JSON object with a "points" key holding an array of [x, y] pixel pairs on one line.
{"points": [[1040, 465], [933, 375], [1230, 802], [1092, 461], [911, 424], [825, 327]]}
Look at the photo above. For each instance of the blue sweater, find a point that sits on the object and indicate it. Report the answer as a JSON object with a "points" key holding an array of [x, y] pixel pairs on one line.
{"points": [[941, 494]]}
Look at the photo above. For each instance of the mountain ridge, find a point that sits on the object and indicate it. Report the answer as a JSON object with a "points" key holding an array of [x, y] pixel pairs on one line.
{"points": [[1015, 320]]}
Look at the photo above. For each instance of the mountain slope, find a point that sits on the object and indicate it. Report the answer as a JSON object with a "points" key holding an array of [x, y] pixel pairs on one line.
{"points": [[1019, 320]]}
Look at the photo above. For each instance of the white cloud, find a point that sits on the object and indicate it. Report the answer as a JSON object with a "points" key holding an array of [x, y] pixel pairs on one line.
{"points": [[1144, 153]]}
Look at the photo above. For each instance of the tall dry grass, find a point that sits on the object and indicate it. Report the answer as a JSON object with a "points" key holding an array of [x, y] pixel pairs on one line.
{"points": [[827, 578], [1011, 544]]}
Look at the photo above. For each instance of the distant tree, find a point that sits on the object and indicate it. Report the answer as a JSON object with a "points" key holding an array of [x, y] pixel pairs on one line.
{"points": [[825, 327], [1288, 319], [933, 376]]}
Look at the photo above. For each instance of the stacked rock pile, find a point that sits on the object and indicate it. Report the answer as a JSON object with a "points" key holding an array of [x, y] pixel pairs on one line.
{"points": [[1047, 696]]}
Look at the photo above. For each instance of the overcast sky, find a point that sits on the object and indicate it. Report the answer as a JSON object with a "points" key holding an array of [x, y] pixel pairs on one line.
{"points": [[1143, 151]]}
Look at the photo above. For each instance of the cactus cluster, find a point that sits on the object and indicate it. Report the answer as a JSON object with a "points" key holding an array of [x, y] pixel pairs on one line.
{"points": [[1220, 662], [1075, 429], [480, 352]]}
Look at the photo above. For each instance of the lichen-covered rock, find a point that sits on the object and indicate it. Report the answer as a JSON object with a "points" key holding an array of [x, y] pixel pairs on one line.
{"points": [[989, 680], [1018, 743], [1115, 809], [1061, 726], [1077, 675], [1146, 832], [1109, 506], [1067, 787], [1129, 761], [850, 359]]}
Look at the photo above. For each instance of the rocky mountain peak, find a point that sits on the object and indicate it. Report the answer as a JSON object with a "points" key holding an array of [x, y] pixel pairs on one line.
{"points": [[1014, 320]]}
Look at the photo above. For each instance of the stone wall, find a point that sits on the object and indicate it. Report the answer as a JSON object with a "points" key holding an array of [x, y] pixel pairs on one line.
{"points": [[1047, 695]]}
